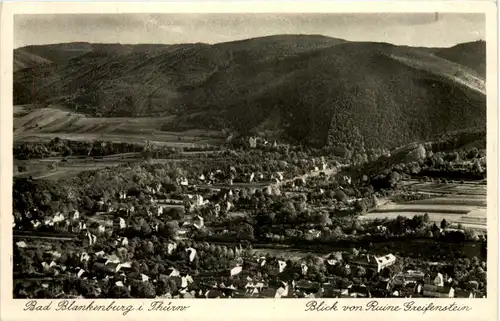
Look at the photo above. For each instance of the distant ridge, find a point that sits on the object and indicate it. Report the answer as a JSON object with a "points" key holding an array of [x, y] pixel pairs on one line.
{"points": [[310, 89]]}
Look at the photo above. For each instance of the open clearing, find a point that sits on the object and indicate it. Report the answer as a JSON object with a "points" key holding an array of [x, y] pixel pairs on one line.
{"points": [[456, 203]]}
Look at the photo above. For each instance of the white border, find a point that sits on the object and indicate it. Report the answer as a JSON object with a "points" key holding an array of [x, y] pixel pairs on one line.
{"points": [[248, 309]]}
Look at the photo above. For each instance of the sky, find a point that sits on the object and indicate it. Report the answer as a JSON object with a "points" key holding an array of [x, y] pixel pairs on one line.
{"points": [[412, 29]]}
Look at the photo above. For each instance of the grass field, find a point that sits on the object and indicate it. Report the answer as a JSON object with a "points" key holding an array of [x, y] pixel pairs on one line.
{"points": [[456, 203]]}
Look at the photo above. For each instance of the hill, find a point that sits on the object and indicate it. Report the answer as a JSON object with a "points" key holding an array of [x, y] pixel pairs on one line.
{"points": [[470, 54], [310, 89], [24, 59]]}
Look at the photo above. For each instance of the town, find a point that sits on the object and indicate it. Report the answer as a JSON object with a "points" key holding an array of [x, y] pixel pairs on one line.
{"points": [[255, 219]]}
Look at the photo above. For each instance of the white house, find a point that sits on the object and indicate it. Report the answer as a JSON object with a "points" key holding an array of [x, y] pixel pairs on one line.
{"points": [[21, 244], [253, 142], [439, 280], [377, 263], [84, 257], [236, 270], [183, 181], [58, 218], [281, 266], [198, 222], [122, 223], [304, 268], [192, 253], [92, 238]]}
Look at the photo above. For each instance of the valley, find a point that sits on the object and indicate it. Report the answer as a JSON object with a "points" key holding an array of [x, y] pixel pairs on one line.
{"points": [[286, 166]]}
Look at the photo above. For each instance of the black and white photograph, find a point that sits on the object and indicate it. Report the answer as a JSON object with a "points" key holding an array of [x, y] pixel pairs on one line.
{"points": [[249, 155]]}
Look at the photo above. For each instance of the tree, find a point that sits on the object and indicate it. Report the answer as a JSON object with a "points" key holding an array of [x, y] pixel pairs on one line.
{"points": [[323, 218], [444, 224], [88, 203], [341, 196], [471, 235], [361, 271], [143, 290], [170, 228], [119, 292], [337, 256], [360, 206], [245, 231], [337, 232]]}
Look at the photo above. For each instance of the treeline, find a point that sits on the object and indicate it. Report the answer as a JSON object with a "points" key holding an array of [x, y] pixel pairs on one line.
{"points": [[62, 148], [58, 147]]}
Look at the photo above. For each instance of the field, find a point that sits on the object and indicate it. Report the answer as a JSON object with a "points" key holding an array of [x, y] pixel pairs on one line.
{"points": [[35, 125], [42, 125], [41, 168], [456, 203]]}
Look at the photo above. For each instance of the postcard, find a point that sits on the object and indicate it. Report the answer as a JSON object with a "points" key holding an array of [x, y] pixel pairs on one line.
{"points": [[249, 160]]}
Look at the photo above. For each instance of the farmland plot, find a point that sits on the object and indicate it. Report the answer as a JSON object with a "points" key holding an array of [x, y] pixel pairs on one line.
{"points": [[456, 203]]}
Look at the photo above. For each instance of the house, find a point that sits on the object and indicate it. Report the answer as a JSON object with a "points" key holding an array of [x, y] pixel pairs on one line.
{"points": [[91, 238], [384, 285], [47, 267], [171, 247], [464, 294], [198, 200], [80, 273], [282, 291], [101, 229], [21, 244], [82, 226], [173, 272], [252, 142], [58, 218], [304, 268], [360, 291], [192, 253], [235, 271], [126, 265], [472, 285], [186, 280], [100, 254], [433, 291], [198, 222], [182, 181], [307, 286], [374, 262], [345, 180], [314, 233], [54, 254], [181, 234], [108, 268], [121, 223], [281, 266], [49, 221], [124, 241], [438, 279], [84, 257]]}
